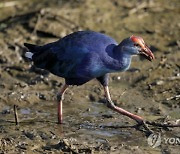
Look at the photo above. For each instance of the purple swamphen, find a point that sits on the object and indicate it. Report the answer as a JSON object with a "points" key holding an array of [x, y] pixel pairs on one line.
{"points": [[85, 55]]}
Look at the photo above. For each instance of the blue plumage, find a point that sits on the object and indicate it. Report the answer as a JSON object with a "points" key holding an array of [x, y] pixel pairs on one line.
{"points": [[82, 56]]}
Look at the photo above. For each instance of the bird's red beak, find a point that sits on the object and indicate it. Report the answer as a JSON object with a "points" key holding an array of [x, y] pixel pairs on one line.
{"points": [[147, 53]]}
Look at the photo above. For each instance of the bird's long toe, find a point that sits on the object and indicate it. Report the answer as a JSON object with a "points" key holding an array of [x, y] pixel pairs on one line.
{"points": [[143, 126], [135, 117]]}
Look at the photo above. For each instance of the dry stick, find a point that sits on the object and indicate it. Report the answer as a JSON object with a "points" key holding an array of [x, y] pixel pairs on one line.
{"points": [[162, 125], [16, 115], [36, 25], [9, 4], [138, 7], [116, 127], [64, 21], [147, 122]]}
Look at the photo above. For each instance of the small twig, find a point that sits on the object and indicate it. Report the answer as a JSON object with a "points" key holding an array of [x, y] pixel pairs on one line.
{"points": [[138, 7], [116, 127], [9, 4], [144, 125], [162, 125], [173, 78], [37, 24], [173, 97], [64, 21], [16, 115]]}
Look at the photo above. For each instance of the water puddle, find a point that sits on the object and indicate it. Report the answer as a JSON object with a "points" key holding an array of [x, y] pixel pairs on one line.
{"points": [[25, 111]]}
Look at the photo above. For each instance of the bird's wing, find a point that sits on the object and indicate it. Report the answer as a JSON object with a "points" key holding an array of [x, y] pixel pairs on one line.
{"points": [[44, 59], [59, 61]]}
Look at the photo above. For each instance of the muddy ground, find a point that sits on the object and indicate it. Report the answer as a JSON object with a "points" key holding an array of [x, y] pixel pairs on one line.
{"points": [[149, 89]]}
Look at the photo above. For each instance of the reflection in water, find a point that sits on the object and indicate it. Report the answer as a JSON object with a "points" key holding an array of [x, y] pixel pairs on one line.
{"points": [[25, 111]]}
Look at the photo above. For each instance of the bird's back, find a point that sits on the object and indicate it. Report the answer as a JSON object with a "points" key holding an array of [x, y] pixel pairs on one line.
{"points": [[86, 41], [76, 55]]}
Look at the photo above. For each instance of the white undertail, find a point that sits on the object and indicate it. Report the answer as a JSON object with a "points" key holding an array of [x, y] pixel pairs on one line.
{"points": [[29, 55]]}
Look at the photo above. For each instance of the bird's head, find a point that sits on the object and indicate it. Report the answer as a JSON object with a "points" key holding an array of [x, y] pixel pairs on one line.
{"points": [[135, 45]]}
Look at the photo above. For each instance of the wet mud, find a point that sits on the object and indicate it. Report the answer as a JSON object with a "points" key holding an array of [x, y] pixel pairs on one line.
{"points": [[149, 89]]}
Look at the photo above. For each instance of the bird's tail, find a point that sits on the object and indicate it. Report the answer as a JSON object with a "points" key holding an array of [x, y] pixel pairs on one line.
{"points": [[31, 50], [28, 55]]}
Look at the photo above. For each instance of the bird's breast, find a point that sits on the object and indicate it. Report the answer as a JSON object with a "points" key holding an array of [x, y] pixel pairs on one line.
{"points": [[117, 65]]}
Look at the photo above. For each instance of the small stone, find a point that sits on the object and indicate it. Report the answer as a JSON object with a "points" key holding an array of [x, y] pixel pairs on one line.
{"points": [[22, 96], [92, 98], [42, 96], [30, 135], [5, 111], [107, 116], [160, 82], [88, 110], [118, 78]]}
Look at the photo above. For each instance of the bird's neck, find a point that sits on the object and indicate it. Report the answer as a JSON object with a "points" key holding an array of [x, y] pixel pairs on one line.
{"points": [[119, 60]]}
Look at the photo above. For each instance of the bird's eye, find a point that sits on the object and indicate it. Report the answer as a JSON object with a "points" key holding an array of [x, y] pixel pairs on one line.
{"points": [[137, 45]]}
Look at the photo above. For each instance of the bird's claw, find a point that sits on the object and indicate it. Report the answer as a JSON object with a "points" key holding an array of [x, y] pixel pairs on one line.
{"points": [[140, 122], [144, 125]]}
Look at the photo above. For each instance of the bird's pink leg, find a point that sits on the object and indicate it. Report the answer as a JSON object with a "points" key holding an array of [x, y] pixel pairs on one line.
{"points": [[111, 105], [60, 99]]}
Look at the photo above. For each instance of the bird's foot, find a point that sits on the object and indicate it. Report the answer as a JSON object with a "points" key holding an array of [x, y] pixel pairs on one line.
{"points": [[59, 121], [143, 126], [60, 97]]}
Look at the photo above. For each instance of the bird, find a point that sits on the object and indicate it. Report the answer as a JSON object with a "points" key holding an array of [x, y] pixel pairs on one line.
{"points": [[85, 55]]}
